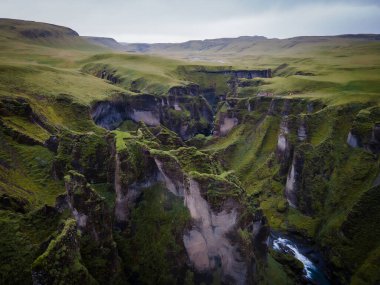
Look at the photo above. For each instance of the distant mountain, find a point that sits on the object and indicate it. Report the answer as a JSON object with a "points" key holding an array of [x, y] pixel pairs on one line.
{"points": [[35, 30], [193, 45], [247, 45], [49, 34], [105, 42], [31, 32]]}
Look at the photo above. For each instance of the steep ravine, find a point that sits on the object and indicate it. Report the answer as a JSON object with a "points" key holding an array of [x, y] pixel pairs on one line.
{"points": [[208, 240], [310, 179], [212, 242], [223, 238], [124, 168]]}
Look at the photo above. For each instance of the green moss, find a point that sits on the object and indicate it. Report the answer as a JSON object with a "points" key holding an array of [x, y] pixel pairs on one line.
{"points": [[364, 122], [106, 190], [292, 266], [360, 227], [128, 125], [55, 76], [282, 206], [192, 159], [152, 251], [369, 271], [133, 163], [88, 153], [305, 225], [23, 125], [246, 239], [218, 188], [120, 139], [61, 262], [29, 175], [167, 138], [200, 75], [189, 278], [20, 239], [275, 273]]}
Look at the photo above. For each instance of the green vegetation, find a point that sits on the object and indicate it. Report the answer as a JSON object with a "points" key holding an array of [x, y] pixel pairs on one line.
{"points": [[63, 251], [89, 153], [25, 172], [50, 80], [152, 251], [21, 237], [333, 177]]}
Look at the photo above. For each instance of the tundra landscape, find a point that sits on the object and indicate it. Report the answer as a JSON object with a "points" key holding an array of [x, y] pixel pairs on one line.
{"points": [[237, 160]]}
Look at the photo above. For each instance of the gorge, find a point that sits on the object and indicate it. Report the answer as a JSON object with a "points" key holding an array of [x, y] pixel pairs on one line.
{"points": [[138, 168]]}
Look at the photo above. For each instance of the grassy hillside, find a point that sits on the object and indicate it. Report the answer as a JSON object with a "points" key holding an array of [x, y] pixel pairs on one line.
{"points": [[336, 69]]}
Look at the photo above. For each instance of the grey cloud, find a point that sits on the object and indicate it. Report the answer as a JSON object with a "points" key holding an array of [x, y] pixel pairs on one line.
{"points": [[179, 20]]}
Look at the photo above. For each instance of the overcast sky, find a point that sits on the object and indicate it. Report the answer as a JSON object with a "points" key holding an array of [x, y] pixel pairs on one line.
{"points": [[181, 20]]}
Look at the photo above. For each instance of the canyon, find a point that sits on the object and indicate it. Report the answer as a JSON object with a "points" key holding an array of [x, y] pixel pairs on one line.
{"points": [[134, 168]]}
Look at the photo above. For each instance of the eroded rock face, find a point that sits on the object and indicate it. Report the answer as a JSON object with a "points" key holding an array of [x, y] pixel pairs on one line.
{"points": [[88, 208], [86, 153], [175, 184], [376, 133], [110, 114], [352, 140], [183, 112], [188, 90], [110, 76], [247, 74], [225, 123], [16, 204], [369, 141], [365, 130], [94, 220], [121, 203], [207, 243], [212, 241], [272, 106], [129, 185], [290, 191], [283, 151], [377, 181], [374, 144], [148, 117], [58, 32], [310, 107], [302, 132], [294, 179]]}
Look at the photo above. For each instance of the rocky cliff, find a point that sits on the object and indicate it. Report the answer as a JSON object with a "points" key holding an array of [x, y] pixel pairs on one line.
{"points": [[187, 115], [61, 262], [94, 220], [296, 153]]}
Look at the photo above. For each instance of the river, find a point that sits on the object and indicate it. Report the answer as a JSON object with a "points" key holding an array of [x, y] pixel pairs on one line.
{"points": [[310, 258]]}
